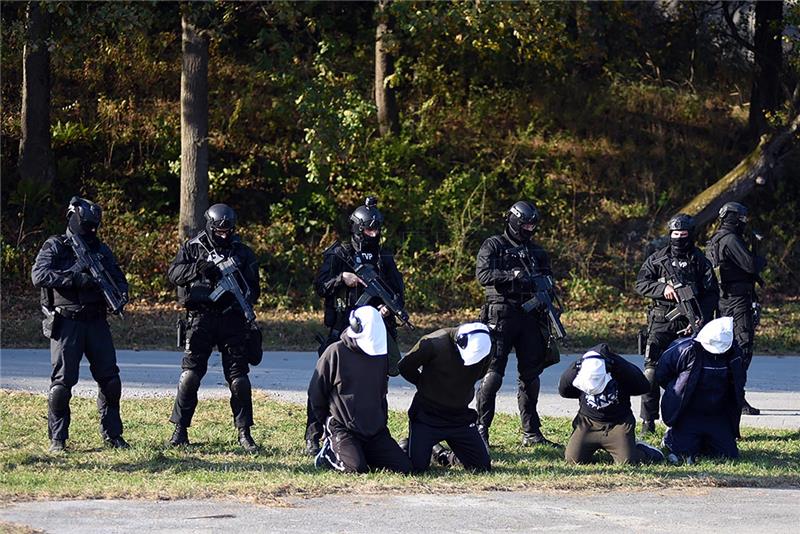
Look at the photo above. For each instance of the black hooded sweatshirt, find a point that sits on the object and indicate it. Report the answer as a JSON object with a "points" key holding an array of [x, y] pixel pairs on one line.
{"points": [[350, 386], [613, 405], [445, 386]]}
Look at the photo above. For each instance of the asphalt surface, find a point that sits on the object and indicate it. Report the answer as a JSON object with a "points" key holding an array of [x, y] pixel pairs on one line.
{"points": [[729, 510], [772, 381], [772, 386]]}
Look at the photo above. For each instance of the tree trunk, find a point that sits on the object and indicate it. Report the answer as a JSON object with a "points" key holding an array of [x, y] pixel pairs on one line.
{"points": [[194, 128], [385, 100], [756, 168], [36, 164], [765, 94]]}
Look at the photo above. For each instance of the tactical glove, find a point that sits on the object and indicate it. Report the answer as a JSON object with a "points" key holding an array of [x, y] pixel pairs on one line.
{"points": [[83, 281]]}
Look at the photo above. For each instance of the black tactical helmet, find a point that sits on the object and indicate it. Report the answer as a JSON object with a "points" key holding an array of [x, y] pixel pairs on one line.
{"points": [[522, 213], [363, 218], [734, 210], [87, 212], [220, 218], [681, 221], [84, 216]]}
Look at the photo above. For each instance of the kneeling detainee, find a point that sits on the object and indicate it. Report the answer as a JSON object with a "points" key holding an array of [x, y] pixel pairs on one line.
{"points": [[604, 383], [703, 380], [445, 365], [347, 395]]}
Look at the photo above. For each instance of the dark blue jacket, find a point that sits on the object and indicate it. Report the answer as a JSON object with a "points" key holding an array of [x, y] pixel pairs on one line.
{"points": [[679, 371]]}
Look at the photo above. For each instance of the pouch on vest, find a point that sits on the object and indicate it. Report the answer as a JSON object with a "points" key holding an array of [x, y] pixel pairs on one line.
{"points": [[641, 340], [181, 333], [49, 310], [253, 345]]}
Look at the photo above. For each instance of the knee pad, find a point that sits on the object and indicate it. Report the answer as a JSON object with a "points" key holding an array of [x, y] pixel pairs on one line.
{"points": [[111, 388], [189, 380], [240, 386], [58, 397], [491, 382]]}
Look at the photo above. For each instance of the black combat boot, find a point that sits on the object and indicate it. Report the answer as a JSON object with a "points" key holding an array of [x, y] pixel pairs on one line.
{"points": [[246, 440], [750, 410], [537, 438], [116, 443], [179, 437]]}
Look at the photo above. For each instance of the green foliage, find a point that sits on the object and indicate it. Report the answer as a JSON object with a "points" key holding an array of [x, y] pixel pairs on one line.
{"points": [[607, 115]]}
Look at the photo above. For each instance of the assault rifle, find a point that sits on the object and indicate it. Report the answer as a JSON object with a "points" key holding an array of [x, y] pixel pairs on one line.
{"points": [[543, 288], [116, 299], [231, 280], [687, 305], [375, 287]]}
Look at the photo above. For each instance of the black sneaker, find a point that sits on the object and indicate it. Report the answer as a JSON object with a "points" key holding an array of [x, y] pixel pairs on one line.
{"points": [[179, 437], [58, 445], [531, 440], [325, 456], [441, 455], [116, 443], [750, 410], [648, 427], [312, 447], [246, 440], [651, 454]]}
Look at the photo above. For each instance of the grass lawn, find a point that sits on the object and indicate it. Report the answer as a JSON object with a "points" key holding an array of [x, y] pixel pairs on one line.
{"points": [[152, 326], [214, 467]]}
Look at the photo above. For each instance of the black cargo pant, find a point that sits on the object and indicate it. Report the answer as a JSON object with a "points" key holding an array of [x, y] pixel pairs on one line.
{"points": [[349, 452], [71, 339], [740, 308], [229, 333], [513, 328], [661, 334]]}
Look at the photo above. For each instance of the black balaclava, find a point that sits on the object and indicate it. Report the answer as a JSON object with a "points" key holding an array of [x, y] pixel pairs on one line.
{"points": [[681, 246], [733, 223], [368, 243]]}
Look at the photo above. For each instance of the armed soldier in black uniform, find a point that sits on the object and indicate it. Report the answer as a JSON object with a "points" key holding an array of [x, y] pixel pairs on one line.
{"points": [[81, 281], [738, 269], [507, 267], [218, 283], [342, 289], [681, 282]]}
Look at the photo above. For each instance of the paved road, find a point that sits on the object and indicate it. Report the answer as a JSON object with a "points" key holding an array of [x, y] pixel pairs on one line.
{"points": [[773, 383], [731, 510]]}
